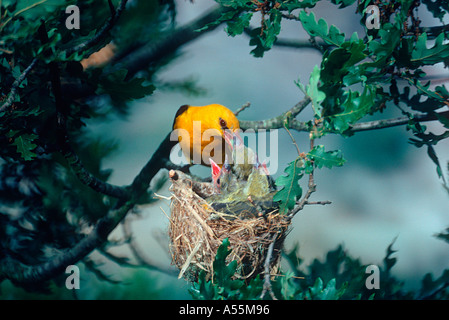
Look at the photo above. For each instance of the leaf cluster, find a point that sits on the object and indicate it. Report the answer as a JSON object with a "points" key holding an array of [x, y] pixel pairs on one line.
{"points": [[360, 75], [338, 276], [289, 189]]}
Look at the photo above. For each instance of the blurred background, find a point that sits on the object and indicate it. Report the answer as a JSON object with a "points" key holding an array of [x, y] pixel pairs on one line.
{"points": [[387, 189]]}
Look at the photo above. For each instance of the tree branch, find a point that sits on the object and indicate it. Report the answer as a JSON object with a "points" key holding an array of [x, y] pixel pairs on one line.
{"points": [[101, 34], [142, 57], [89, 179], [297, 44], [311, 188], [10, 99], [243, 107], [388, 123], [278, 122], [20, 273], [158, 160], [267, 275]]}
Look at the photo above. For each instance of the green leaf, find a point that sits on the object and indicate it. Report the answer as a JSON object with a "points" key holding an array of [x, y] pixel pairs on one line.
{"points": [[382, 49], [224, 272], [203, 289], [330, 292], [343, 3], [237, 25], [421, 55], [253, 290], [355, 107], [121, 90], [264, 38], [331, 35], [291, 190], [328, 159], [25, 146], [291, 5], [288, 287], [341, 62], [433, 156], [225, 16], [443, 119], [313, 91], [389, 262]]}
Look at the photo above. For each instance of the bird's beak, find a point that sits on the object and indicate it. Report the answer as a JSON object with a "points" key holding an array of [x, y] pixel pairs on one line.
{"points": [[232, 138], [229, 137], [226, 165], [238, 140], [216, 171]]}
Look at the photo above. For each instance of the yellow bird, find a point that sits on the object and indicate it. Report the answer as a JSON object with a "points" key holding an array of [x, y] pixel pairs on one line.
{"points": [[202, 132]]}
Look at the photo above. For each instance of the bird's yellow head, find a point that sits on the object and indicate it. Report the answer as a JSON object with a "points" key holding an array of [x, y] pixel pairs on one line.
{"points": [[220, 118], [214, 119], [212, 116]]}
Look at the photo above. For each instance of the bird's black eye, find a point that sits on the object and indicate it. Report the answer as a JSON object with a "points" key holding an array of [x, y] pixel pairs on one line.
{"points": [[223, 123]]}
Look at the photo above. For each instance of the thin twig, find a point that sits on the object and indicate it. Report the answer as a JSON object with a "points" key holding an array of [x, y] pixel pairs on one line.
{"points": [[388, 123], [88, 179], [300, 126], [278, 122], [291, 137], [297, 44], [189, 258], [267, 275], [9, 101], [243, 107], [311, 188], [323, 202], [101, 34]]}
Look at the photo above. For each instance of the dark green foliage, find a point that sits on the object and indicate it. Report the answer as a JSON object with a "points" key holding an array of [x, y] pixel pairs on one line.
{"points": [[438, 8], [289, 189], [44, 204], [222, 286], [122, 90], [331, 35], [337, 277]]}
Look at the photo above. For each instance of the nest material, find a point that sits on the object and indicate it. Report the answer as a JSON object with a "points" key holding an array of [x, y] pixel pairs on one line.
{"points": [[196, 231]]}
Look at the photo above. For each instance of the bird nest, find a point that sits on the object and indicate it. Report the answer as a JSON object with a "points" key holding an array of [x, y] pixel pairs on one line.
{"points": [[196, 230]]}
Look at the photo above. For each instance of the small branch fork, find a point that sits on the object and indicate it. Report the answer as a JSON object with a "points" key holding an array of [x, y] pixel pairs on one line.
{"points": [[266, 279], [300, 126]]}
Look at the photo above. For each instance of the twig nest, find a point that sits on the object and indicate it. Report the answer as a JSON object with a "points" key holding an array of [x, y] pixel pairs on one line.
{"points": [[196, 230]]}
